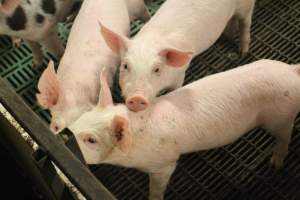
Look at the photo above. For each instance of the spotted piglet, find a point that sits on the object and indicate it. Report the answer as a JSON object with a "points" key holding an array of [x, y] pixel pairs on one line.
{"points": [[36, 22]]}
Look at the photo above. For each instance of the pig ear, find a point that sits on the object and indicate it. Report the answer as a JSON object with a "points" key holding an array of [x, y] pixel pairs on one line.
{"points": [[175, 58], [121, 135], [105, 98], [8, 6], [115, 42], [48, 87]]}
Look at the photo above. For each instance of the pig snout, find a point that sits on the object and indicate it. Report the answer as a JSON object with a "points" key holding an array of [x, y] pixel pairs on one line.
{"points": [[137, 103]]}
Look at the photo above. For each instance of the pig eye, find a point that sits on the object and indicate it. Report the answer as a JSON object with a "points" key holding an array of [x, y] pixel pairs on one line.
{"points": [[125, 66], [156, 70], [92, 140]]}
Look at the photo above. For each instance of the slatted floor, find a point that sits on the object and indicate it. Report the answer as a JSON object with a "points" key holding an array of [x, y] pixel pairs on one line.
{"points": [[237, 171]]}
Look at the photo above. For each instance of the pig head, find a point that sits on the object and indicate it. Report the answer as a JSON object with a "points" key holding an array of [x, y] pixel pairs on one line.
{"points": [[140, 85]]}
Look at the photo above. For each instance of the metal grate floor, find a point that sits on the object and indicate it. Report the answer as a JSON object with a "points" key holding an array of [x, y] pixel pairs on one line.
{"points": [[237, 171]]}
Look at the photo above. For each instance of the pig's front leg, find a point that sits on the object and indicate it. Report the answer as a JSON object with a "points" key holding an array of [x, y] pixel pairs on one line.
{"points": [[138, 10], [244, 26], [145, 15], [245, 19], [159, 181], [231, 28], [16, 42], [283, 137], [37, 54], [54, 45]]}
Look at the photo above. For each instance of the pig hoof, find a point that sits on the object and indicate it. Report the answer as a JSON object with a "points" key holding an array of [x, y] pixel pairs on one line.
{"points": [[146, 16], [71, 18], [244, 51], [16, 42], [36, 65], [276, 163]]}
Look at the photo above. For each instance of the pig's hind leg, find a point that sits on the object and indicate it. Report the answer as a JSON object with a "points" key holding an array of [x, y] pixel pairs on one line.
{"points": [[282, 133], [138, 10], [231, 28], [37, 54], [54, 45], [244, 16], [16, 42], [159, 181], [145, 15]]}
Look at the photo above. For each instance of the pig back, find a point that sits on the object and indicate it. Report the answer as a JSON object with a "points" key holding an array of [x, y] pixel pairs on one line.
{"points": [[190, 25], [86, 46]]}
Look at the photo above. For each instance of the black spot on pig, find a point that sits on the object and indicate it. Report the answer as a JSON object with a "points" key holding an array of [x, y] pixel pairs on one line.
{"points": [[39, 18], [49, 7], [17, 21], [28, 2]]}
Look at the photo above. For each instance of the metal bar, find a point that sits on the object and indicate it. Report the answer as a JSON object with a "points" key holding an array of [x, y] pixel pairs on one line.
{"points": [[22, 154], [75, 170]]}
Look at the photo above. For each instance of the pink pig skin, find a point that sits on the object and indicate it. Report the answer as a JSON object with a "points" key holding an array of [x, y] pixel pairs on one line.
{"points": [[86, 54], [209, 113], [158, 56]]}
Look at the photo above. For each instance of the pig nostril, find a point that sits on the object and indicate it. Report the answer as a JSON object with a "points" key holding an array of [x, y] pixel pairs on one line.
{"points": [[131, 102], [143, 103]]}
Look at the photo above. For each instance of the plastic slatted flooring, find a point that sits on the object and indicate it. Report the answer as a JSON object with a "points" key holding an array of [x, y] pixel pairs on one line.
{"points": [[237, 171]]}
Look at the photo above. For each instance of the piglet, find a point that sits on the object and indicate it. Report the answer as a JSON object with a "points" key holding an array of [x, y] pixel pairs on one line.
{"points": [[157, 58], [74, 89], [36, 22], [209, 113]]}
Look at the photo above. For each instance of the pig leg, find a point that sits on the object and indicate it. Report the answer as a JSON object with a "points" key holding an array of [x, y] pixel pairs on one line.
{"points": [[16, 42], [145, 15], [159, 182], [54, 45], [244, 16], [138, 10], [244, 26], [283, 137], [231, 28], [37, 54]]}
